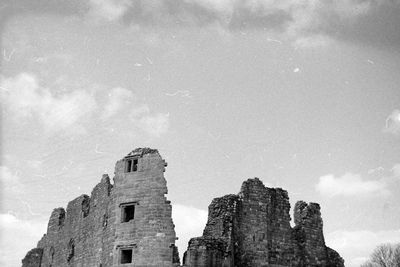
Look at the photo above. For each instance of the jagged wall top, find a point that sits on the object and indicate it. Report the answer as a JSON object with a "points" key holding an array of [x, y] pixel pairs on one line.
{"points": [[128, 222], [141, 151], [253, 229]]}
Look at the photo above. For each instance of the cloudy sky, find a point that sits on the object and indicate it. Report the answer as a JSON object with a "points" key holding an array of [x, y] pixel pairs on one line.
{"points": [[303, 94]]}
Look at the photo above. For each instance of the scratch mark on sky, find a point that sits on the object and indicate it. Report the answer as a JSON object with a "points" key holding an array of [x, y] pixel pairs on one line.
{"points": [[149, 60], [8, 58], [4, 89], [28, 206], [274, 40], [39, 59], [183, 93], [64, 168], [97, 150]]}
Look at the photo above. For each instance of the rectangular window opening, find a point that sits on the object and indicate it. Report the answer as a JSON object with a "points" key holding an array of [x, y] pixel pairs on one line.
{"points": [[135, 163], [128, 213], [131, 165], [126, 256], [128, 165]]}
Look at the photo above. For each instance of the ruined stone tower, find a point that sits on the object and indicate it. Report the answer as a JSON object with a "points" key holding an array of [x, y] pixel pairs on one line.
{"points": [[253, 229], [144, 232], [125, 224]]}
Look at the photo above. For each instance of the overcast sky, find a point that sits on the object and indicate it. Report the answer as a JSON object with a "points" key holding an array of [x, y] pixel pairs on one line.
{"points": [[303, 94]]}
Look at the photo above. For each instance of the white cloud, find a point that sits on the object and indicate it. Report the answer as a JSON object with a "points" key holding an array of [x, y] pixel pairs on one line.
{"points": [[25, 98], [396, 170], [352, 9], [124, 101], [296, 19], [303, 21], [155, 125], [349, 185], [109, 10], [118, 99], [17, 238], [224, 8], [189, 222], [312, 21], [393, 123], [13, 192], [10, 182], [356, 246]]}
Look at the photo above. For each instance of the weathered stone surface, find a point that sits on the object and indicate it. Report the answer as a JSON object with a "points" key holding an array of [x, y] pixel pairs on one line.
{"points": [[128, 223], [207, 251], [309, 237], [33, 258], [98, 230], [334, 259], [253, 229], [215, 248]]}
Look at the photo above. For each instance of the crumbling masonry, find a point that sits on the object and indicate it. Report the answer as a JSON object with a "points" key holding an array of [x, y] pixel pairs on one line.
{"points": [[129, 224], [253, 229], [125, 224]]}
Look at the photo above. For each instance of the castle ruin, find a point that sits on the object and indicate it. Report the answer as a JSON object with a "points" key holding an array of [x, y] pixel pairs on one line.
{"points": [[128, 223], [253, 229]]}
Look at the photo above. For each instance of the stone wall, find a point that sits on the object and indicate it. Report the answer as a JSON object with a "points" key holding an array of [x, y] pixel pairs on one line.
{"points": [[92, 232], [216, 247], [128, 223], [151, 233], [253, 229], [78, 236], [33, 258]]}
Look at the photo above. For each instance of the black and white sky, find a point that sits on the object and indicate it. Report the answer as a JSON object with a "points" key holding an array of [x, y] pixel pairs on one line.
{"points": [[303, 94]]}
